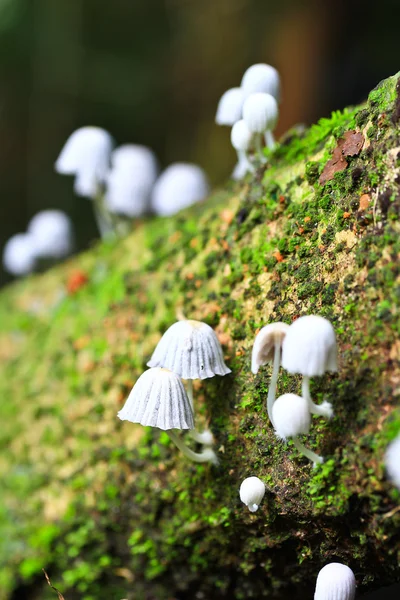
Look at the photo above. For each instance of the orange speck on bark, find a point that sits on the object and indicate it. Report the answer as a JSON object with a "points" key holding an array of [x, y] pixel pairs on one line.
{"points": [[278, 256], [76, 281], [346, 215], [307, 219]]}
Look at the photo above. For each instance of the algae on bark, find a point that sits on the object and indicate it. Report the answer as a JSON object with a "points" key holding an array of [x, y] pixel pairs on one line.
{"points": [[112, 510]]}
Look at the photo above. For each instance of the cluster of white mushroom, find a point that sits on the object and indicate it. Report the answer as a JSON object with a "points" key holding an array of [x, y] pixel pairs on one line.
{"points": [[252, 112], [123, 182], [49, 236], [188, 350], [306, 347]]}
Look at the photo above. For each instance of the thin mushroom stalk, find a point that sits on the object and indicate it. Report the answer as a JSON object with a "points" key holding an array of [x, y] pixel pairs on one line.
{"points": [[205, 437], [104, 220], [315, 458], [258, 142], [322, 410], [207, 455], [269, 139], [274, 380]]}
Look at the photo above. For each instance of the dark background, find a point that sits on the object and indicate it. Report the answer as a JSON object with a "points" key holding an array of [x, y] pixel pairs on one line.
{"points": [[152, 71]]}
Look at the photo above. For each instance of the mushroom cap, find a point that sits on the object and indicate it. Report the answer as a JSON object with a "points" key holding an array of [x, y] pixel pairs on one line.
{"points": [[335, 581], [230, 107], [190, 349], [251, 492], [179, 186], [260, 112], [135, 157], [19, 254], [241, 136], [52, 234], [264, 344], [158, 399], [86, 154], [309, 347], [392, 461], [261, 78], [291, 416]]}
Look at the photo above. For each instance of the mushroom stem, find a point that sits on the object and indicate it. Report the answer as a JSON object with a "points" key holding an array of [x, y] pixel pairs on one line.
{"points": [[103, 218], [244, 159], [207, 455], [322, 410], [253, 507], [259, 147], [274, 380], [315, 458], [269, 139], [205, 437]]}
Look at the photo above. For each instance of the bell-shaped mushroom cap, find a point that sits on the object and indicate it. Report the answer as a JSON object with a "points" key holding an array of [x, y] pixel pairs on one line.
{"points": [[158, 399], [52, 234], [126, 194], [179, 186], [309, 347], [261, 78], [335, 582], [260, 112], [264, 344], [392, 461], [291, 416], [138, 159], [86, 154], [251, 492], [19, 254], [190, 349], [230, 107], [241, 136]]}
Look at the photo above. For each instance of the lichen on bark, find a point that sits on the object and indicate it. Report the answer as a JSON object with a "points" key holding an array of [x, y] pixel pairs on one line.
{"points": [[112, 510]]}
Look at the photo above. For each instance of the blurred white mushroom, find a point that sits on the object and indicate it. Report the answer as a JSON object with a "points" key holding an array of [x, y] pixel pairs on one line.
{"points": [[179, 186], [261, 78], [19, 254], [86, 154], [230, 107], [392, 461], [52, 234], [241, 138], [260, 112]]}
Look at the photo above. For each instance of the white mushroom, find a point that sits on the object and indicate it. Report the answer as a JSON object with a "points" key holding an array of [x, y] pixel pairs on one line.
{"points": [[291, 418], [309, 348], [335, 581], [52, 234], [261, 78], [267, 348], [230, 107], [158, 399], [260, 112], [392, 461], [179, 186], [241, 138], [19, 257], [251, 492]]}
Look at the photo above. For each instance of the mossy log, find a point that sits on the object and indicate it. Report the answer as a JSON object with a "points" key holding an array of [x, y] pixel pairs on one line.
{"points": [[113, 510]]}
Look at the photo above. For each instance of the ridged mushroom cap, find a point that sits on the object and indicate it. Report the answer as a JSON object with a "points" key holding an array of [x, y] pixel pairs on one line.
{"points": [[230, 107], [137, 158], [190, 349], [309, 347], [261, 78], [19, 254], [335, 582], [86, 154], [260, 112], [52, 234], [291, 416], [179, 186], [251, 492], [127, 194], [265, 342], [241, 136], [158, 399], [392, 461]]}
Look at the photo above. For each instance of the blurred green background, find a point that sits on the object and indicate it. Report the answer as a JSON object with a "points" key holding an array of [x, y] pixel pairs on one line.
{"points": [[152, 71]]}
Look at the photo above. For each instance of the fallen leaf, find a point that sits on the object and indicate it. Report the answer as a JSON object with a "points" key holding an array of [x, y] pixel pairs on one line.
{"points": [[351, 143], [364, 202], [334, 165]]}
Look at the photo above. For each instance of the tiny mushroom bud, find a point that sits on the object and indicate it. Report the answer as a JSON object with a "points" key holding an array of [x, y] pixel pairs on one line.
{"points": [[158, 399], [230, 107], [309, 348], [19, 255], [261, 78], [241, 138], [335, 581], [251, 492], [260, 112], [392, 461], [291, 417], [267, 348], [52, 234], [179, 186]]}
